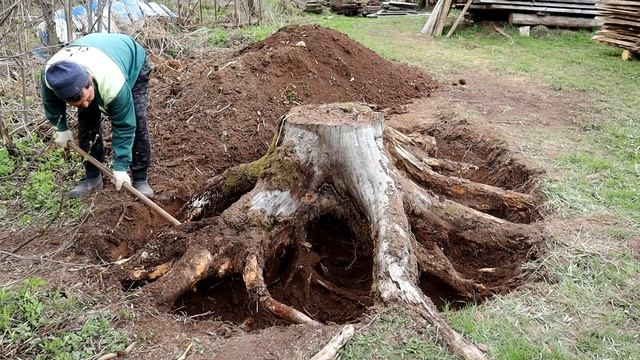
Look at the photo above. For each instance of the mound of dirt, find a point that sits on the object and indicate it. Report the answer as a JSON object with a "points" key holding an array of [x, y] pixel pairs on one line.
{"points": [[208, 115]]}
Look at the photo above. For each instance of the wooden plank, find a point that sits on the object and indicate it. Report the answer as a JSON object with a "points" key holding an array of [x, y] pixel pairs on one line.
{"points": [[610, 20], [430, 25], [592, 2], [535, 9], [626, 44], [615, 35], [605, 11], [464, 11], [535, 3], [620, 2], [574, 1], [442, 19], [400, 4], [622, 17], [551, 20]]}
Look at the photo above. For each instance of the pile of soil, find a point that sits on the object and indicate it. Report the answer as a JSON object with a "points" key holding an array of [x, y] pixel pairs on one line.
{"points": [[208, 115]]}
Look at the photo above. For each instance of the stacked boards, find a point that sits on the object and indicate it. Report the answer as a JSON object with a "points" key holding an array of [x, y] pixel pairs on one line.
{"points": [[620, 24], [395, 8], [556, 13], [586, 8]]}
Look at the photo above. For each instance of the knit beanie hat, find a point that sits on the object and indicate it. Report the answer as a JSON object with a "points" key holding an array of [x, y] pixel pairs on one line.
{"points": [[66, 78]]}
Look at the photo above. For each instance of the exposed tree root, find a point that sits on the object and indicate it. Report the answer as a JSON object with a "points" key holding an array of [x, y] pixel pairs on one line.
{"points": [[511, 205], [151, 274], [340, 160], [335, 344], [254, 281], [191, 268]]}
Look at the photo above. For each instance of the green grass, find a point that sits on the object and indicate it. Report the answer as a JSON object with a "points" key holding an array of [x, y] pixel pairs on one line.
{"points": [[393, 336], [219, 37], [603, 172], [33, 184], [588, 308], [591, 313], [40, 323]]}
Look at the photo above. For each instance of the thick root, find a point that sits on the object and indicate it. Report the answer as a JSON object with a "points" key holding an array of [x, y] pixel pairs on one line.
{"points": [[151, 274], [433, 261], [507, 204], [190, 269], [254, 281]]}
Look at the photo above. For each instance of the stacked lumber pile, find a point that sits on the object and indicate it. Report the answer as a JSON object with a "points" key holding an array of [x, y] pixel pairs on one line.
{"points": [[395, 8], [620, 24], [560, 13], [373, 8], [313, 6], [349, 7]]}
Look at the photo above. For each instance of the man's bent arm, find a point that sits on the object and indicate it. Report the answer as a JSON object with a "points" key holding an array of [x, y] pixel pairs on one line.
{"points": [[122, 114]]}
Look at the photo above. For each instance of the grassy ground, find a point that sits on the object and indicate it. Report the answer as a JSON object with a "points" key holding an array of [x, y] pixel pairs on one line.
{"points": [[589, 305], [41, 323]]}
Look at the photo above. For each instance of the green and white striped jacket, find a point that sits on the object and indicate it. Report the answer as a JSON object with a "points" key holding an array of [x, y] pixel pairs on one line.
{"points": [[114, 61]]}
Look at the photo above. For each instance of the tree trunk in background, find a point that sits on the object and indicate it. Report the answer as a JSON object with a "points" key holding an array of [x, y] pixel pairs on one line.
{"points": [[47, 13]]}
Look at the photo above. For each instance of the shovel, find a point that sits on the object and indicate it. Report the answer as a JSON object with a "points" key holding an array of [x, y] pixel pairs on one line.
{"points": [[106, 172]]}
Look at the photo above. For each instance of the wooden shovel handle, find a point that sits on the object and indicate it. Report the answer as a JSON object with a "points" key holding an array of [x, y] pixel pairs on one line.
{"points": [[106, 172]]}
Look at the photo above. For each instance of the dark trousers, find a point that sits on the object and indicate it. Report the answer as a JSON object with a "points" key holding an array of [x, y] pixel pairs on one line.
{"points": [[90, 131]]}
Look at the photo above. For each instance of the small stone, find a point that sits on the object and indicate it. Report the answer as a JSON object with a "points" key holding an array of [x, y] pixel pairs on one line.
{"points": [[524, 31], [540, 30], [301, 44]]}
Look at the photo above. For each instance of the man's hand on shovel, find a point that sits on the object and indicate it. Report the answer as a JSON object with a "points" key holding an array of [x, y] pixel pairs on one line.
{"points": [[62, 138], [120, 178]]}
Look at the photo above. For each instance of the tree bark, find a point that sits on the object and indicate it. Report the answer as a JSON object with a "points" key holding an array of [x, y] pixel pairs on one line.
{"points": [[47, 13]]}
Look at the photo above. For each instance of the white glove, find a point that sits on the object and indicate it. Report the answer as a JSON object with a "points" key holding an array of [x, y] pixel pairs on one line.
{"points": [[121, 177], [62, 137]]}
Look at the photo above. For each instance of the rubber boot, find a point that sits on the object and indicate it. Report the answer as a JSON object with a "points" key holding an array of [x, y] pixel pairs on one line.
{"points": [[86, 187], [143, 187]]}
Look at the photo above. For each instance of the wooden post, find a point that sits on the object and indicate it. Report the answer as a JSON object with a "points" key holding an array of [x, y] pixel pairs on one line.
{"points": [[89, 17], [464, 11], [69, 19], [109, 16], [99, 7], [442, 19]]}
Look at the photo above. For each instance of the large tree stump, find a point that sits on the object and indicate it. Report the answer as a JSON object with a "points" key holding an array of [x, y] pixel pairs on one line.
{"points": [[340, 160]]}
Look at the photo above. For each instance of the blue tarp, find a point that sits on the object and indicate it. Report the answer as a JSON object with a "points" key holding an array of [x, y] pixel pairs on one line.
{"points": [[120, 12]]}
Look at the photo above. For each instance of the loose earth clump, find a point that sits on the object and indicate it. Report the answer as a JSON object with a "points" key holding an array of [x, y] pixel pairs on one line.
{"points": [[313, 213]]}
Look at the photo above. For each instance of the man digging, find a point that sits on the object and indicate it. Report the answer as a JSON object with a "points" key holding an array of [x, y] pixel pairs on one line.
{"points": [[102, 73]]}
